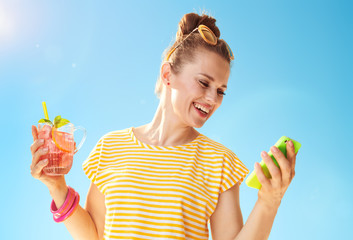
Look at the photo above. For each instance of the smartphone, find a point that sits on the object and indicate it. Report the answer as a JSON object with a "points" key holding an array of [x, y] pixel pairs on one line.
{"points": [[252, 180]]}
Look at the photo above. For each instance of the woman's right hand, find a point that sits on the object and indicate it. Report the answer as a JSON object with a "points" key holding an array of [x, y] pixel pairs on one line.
{"points": [[58, 191], [52, 182]]}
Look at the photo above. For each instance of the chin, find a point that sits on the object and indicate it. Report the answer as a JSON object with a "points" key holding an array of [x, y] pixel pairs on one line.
{"points": [[198, 125]]}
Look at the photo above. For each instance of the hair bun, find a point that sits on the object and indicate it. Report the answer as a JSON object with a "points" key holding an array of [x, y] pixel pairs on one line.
{"points": [[191, 21]]}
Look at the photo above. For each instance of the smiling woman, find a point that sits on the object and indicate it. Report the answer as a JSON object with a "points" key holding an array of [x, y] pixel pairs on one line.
{"points": [[191, 90], [164, 179]]}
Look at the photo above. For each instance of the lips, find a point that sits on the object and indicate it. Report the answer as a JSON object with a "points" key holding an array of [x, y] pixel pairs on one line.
{"points": [[202, 109]]}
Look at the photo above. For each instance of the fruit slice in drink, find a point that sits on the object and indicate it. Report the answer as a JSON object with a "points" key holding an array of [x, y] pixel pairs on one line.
{"points": [[63, 140]]}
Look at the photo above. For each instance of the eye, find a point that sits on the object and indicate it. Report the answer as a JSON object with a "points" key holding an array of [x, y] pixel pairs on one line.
{"points": [[221, 93], [203, 83]]}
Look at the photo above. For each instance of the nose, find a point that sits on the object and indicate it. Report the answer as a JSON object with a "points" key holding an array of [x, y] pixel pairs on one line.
{"points": [[211, 96]]}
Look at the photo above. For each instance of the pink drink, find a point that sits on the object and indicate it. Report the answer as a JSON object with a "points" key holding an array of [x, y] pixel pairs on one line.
{"points": [[60, 152]]}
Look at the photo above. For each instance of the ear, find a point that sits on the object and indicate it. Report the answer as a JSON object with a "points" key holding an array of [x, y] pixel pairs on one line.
{"points": [[166, 72]]}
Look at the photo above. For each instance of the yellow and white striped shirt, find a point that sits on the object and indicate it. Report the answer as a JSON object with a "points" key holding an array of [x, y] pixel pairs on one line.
{"points": [[154, 192]]}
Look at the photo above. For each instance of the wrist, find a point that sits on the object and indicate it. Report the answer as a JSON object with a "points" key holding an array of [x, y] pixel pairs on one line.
{"points": [[57, 185], [58, 192], [270, 206], [67, 208]]}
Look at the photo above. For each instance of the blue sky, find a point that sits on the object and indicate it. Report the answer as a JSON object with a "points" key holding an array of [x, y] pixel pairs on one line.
{"points": [[96, 63]]}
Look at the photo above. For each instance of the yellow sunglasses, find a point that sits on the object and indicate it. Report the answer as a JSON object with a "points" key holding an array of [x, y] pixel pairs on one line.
{"points": [[206, 35]]}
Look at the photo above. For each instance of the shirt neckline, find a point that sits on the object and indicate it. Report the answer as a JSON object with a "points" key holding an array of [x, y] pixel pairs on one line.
{"points": [[155, 147]]}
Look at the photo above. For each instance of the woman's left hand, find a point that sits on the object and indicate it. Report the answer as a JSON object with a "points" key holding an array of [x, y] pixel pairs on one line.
{"points": [[273, 189]]}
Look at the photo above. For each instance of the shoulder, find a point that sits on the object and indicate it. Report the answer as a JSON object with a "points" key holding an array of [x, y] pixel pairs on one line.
{"points": [[216, 146], [122, 135]]}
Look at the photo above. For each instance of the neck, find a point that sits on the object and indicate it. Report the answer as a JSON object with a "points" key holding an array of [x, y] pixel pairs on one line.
{"points": [[165, 129]]}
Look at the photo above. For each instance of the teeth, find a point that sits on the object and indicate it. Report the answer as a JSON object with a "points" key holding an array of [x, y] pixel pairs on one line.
{"points": [[201, 107]]}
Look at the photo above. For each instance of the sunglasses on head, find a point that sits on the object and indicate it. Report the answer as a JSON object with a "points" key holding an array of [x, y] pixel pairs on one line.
{"points": [[206, 35]]}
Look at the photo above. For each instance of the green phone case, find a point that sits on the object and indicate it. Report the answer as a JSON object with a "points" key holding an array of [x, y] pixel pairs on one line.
{"points": [[252, 180]]}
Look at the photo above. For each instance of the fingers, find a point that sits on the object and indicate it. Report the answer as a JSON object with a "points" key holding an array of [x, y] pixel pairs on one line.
{"points": [[37, 166], [265, 182], [284, 165], [291, 156], [35, 145], [36, 170], [40, 152], [273, 169], [34, 132]]}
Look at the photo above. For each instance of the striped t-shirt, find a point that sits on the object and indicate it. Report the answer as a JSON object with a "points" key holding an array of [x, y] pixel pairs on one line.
{"points": [[155, 192]]}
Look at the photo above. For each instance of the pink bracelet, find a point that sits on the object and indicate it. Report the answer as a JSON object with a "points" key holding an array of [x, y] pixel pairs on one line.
{"points": [[70, 198], [71, 211]]}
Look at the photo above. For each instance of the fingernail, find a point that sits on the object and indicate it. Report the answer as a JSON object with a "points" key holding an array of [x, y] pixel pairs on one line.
{"points": [[45, 160], [274, 149], [263, 153], [290, 143], [41, 140]]}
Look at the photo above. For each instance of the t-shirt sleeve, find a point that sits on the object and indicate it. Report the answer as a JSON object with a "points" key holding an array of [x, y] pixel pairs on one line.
{"points": [[233, 171], [91, 164]]}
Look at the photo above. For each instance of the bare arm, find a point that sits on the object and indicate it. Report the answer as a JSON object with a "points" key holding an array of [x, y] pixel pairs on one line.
{"points": [[227, 222], [227, 219], [85, 224], [260, 221]]}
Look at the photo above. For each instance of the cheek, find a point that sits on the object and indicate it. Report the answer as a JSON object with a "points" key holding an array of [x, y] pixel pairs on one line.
{"points": [[174, 96], [184, 94], [178, 99], [196, 89], [219, 103]]}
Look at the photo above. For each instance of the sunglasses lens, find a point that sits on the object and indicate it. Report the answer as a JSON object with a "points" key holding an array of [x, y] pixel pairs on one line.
{"points": [[208, 36], [231, 55]]}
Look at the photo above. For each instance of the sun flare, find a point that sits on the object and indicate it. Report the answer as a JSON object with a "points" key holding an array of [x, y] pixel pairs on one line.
{"points": [[6, 25]]}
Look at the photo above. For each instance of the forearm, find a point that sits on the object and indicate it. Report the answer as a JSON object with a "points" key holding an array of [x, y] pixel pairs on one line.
{"points": [[80, 224], [259, 223]]}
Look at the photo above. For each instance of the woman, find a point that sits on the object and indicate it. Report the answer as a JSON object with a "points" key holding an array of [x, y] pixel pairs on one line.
{"points": [[165, 180]]}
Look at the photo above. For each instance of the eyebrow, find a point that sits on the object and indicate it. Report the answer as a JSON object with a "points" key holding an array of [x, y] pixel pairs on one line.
{"points": [[212, 79]]}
